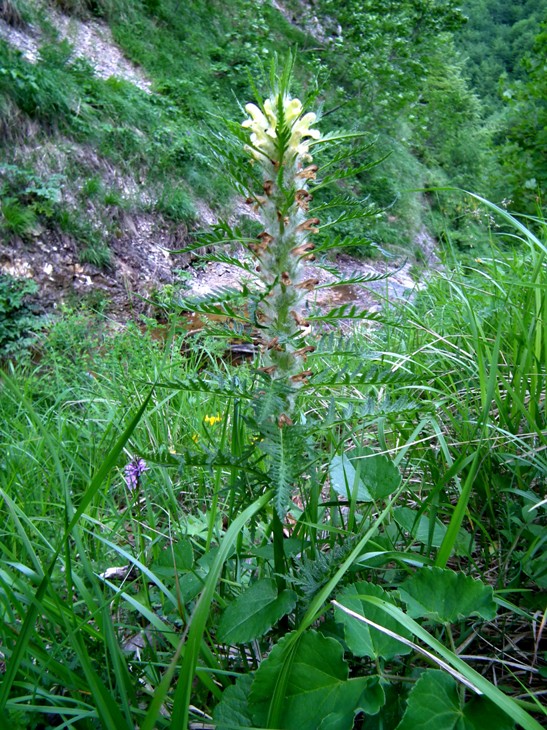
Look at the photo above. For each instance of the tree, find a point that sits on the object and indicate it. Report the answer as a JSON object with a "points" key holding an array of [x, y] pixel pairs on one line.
{"points": [[524, 150], [386, 46]]}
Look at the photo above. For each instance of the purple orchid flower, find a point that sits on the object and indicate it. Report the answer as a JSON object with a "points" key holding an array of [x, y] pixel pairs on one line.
{"points": [[133, 472]]}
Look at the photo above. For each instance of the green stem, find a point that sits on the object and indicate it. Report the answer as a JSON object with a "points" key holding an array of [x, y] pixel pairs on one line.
{"points": [[214, 506], [279, 552]]}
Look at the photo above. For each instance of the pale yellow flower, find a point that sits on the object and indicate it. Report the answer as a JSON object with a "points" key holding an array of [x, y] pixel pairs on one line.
{"points": [[264, 125]]}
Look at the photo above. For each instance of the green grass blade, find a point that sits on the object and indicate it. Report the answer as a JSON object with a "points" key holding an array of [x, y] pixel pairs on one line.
{"points": [[200, 615], [27, 628]]}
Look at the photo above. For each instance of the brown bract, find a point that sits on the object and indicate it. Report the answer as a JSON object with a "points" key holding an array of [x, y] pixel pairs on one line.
{"points": [[301, 377], [308, 173], [269, 370], [309, 225], [302, 249], [300, 321], [284, 420], [302, 198]]}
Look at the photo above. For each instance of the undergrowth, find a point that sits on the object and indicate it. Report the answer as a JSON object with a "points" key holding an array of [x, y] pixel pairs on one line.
{"points": [[264, 546]]}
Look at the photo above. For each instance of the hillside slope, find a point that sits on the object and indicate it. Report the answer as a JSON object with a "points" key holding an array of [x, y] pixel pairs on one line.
{"points": [[83, 216]]}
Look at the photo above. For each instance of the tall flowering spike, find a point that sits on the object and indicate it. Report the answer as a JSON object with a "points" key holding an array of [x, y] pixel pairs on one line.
{"points": [[280, 133]]}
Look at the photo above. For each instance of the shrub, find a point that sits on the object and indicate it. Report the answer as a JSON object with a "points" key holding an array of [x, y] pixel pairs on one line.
{"points": [[19, 320]]}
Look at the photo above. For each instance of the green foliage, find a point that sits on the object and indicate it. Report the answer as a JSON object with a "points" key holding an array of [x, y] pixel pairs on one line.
{"points": [[360, 474], [233, 710], [388, 48], [364, 640], [27, 199], [286, 450], [461, 151], [155, 541], [14, 12], [17, 219], [18, 319], [308, 682], [100, 8], [265, 496], [434, 702], [33, 203], [523, 153], [430, 531], [446, 596], [494, 41], [254, 612], [175, 204]]}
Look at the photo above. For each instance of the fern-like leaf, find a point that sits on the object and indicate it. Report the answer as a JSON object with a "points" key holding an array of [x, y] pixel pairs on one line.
{"points": [[346, 311], [218, 257], [357, 279], [285, 448], [313, 573]]}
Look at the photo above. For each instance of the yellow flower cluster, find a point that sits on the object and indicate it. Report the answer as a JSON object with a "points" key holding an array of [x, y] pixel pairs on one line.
{"points": [[211, 420], [264, 126]]}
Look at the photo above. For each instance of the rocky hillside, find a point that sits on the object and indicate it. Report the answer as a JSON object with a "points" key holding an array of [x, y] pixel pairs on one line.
{"points": [[105, 170]]}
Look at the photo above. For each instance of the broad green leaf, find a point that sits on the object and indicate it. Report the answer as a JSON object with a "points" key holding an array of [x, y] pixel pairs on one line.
{"points": [[371, 701], [291, 546], [233, 711], [419, 526], [378, 472], [253, 612], [179, 557], [391, 712], [315, 683], [373, 698], [365, 640], [434, 704], [446, 596], [334, 721], [371, 476], [346, 481]]}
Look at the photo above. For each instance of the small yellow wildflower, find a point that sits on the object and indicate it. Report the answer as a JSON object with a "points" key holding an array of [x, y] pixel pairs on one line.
{"points": [[195, 438], [211, 420]]}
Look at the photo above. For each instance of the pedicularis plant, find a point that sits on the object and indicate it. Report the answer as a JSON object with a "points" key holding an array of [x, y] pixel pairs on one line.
{"points": [[269, 158], [271, 567], [335, 525], [280, 147]]}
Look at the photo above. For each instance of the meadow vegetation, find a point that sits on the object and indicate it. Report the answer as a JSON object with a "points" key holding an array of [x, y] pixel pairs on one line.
{"points": [[347, 523]]}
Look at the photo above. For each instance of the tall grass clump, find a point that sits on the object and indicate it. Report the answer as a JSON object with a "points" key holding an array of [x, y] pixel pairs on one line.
{"points": [[476, 336], [293, 542]]}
